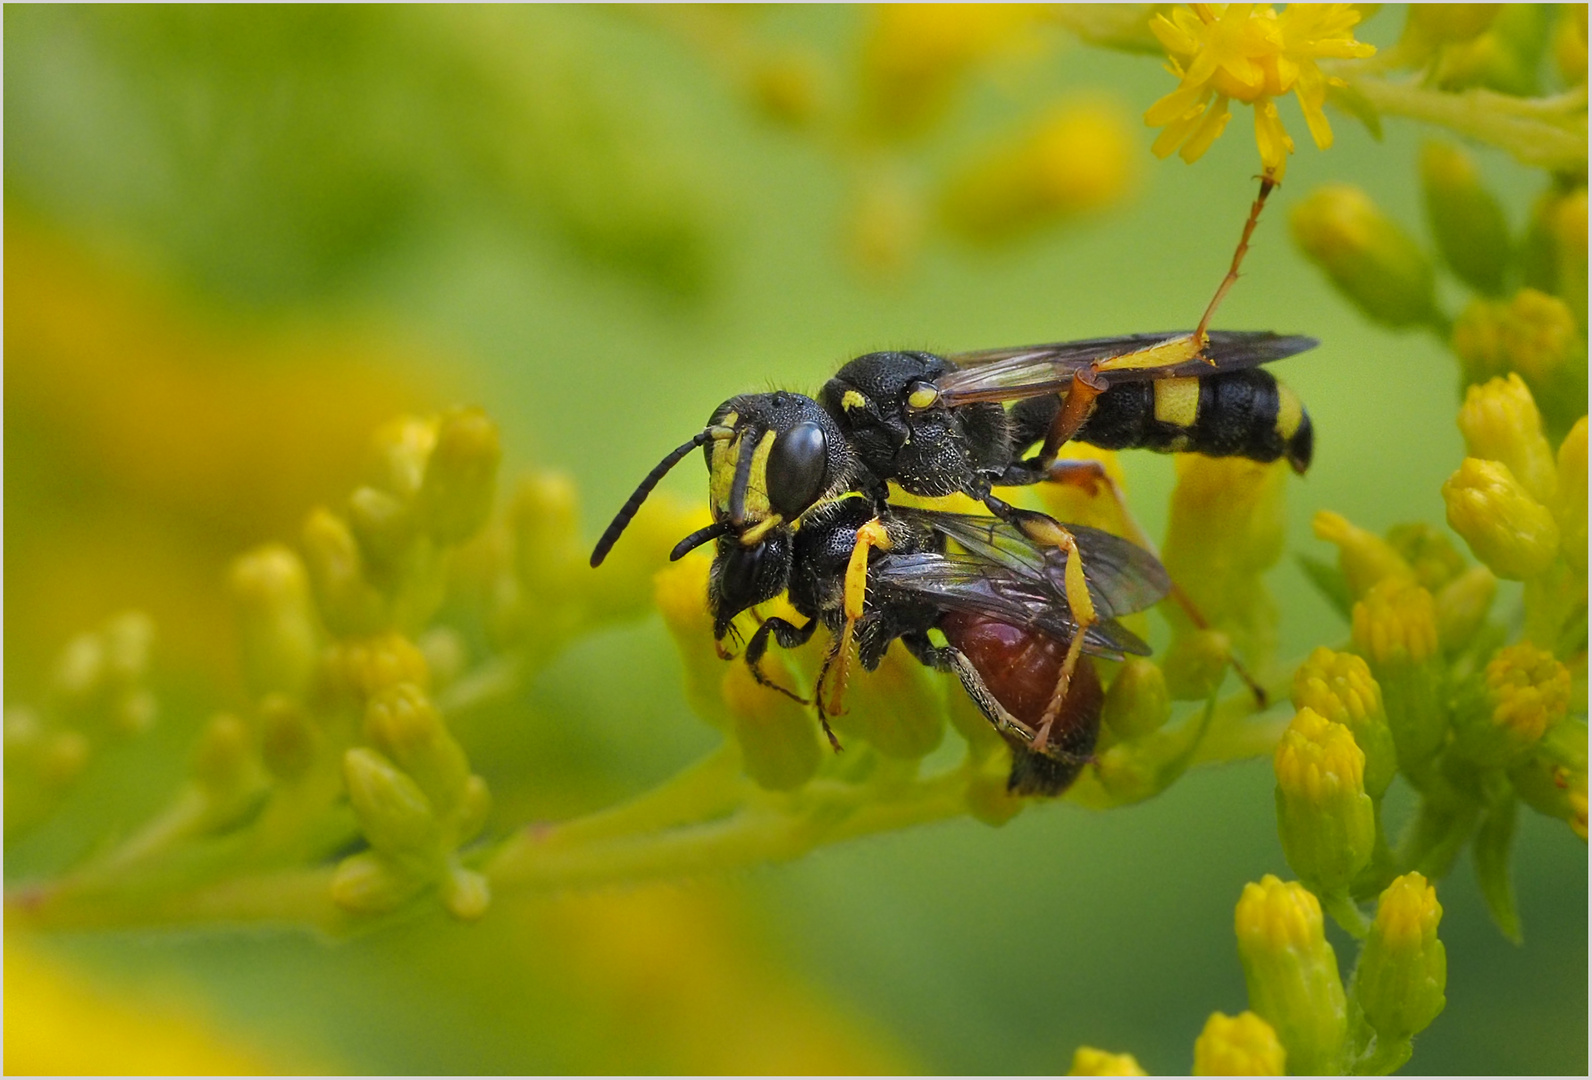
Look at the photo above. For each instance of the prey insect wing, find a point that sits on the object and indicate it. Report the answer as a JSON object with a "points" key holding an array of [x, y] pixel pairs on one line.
{"points": [[966, 583], [1024, 371], [1121, 576]]}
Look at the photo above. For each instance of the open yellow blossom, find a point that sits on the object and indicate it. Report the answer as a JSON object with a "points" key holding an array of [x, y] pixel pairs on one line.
{"points": [[1248, 52]]}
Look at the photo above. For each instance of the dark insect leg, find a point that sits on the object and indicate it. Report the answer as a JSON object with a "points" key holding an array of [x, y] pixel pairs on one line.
{"points": [[789, 636], [835, 646]]}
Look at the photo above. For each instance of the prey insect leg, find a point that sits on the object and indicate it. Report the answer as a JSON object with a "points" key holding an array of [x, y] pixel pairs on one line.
{"points": [[1048, 532]]}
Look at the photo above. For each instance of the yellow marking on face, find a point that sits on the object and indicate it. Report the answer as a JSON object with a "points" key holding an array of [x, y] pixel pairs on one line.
{"points": [[721, 474], [754, 536], [1290, 412], [853, 399], [1166, 354], [1177, 401], [757, 505]]}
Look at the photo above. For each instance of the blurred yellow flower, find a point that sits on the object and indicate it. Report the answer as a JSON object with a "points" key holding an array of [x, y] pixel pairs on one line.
{"points": [[1250, 53]]}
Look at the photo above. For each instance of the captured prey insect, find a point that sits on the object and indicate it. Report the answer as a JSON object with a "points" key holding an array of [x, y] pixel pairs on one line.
{"points": [[799, 487], [999, 602]]}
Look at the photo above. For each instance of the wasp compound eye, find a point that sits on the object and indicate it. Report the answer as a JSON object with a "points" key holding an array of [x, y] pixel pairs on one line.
{"points": [[922, 395], [796, 468]]}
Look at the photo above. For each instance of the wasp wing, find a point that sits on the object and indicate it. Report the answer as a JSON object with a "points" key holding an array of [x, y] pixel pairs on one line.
{"points": [[1031, 370], [1121, 576], [962, 582]]}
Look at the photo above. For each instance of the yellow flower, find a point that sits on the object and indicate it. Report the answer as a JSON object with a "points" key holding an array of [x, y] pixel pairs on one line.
{"points": [[1248, 52]]}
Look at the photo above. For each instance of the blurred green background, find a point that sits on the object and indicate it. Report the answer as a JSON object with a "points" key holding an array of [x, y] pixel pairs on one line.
{"points": [[237, 239]]}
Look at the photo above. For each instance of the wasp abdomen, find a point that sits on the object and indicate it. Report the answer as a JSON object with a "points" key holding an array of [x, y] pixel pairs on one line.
{"points": [[1245, 413]]}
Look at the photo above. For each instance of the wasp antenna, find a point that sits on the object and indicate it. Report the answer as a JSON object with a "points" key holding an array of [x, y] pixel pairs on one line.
{"points": [[700, 537], [1267, 183], [621, 520]]}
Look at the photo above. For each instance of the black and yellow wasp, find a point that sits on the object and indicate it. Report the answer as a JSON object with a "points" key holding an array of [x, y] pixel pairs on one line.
{"points": [[799, 491]]}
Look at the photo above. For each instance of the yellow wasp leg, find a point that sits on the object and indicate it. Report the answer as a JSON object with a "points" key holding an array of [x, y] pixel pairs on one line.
{"points": [[1076, 587], [870, 536], [1090, 476]]}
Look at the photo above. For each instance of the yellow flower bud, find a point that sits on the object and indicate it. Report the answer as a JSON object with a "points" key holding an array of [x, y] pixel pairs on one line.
{"points": [[1500, 422], [1462, 607], [1403, 967], [1077, 159], [1324, 817], [1570, 508], [1339, 687], [223, 759], [1428, 553], [276, 622], [1526, 692], [1553, 779], [394, 814], [1364, 557], [385, 528], [400, 450], [1534, 334], [403, 724], [348, 602], [1467, 222], [1195, 664], [681, 593], [371, 883], [1225, 530], [1395, 628], [465, 893], [456, 494], [1292, 973], [1373, 261], [1513, 533], [1242, 1045], [1396, 624], [365, 666], [1087, 1061], [620, 588], [1138, 701], [898, 708], [778, 738], [288, 740]]}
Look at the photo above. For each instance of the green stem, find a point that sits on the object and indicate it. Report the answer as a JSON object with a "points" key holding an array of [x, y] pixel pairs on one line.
{"points": [[1546, 132]]}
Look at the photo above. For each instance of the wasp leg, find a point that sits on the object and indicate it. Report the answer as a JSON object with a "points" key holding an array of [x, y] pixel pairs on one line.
{"points": [[1048, 532], [870, 536], [1267, 183], [789, 636]]}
